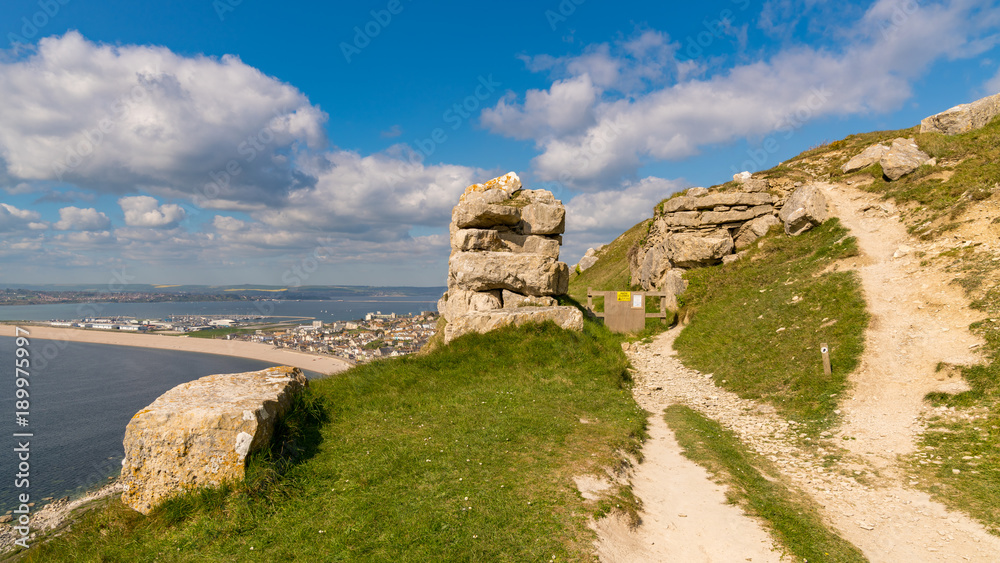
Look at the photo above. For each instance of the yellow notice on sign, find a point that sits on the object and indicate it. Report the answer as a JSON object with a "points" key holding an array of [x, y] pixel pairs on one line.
{"points": [[624, 295]]}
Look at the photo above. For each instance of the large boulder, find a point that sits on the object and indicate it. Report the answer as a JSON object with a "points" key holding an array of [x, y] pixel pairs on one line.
{"points": [[476, 239], [543, 219], [513, 300], [505, 254], [478, 215], [963, 118], [569, 318], [459, 302], [200, 434], [654, 264], [692, 250], [902, 158], [753, 230], [805, 209], [529, 244], [528, 274], [713, 200], [866, 158]]}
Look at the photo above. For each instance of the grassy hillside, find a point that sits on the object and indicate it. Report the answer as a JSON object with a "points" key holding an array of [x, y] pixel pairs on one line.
{"points": [[757, 323], [610, 272], [465, 454]]}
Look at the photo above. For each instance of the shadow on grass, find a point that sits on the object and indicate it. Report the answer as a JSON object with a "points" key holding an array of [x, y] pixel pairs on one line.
{"points": [[296, 439]]}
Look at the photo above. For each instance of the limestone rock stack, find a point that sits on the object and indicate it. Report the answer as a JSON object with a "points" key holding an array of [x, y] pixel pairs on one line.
{"points": [[200, 433], [505, 244]]}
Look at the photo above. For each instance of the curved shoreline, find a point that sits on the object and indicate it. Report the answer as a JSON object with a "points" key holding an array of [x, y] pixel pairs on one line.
{"points": [[255, 350]]}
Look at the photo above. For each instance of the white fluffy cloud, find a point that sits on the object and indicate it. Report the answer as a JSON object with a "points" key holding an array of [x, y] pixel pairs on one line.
{"points": [[598, 218], [130, 118], [145, 211], [374, 197], [79, 219], [12, 218], [636, 118]]}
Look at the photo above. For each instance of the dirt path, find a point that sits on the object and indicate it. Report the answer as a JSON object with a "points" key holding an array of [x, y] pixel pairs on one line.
{"points": [[917, 321], [685, 518]]}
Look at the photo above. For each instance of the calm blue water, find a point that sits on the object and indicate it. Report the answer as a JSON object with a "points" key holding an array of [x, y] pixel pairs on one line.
{"points": [[83, 397], [81, 401]]}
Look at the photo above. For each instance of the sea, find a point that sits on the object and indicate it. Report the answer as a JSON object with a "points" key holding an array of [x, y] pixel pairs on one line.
{"points": [[83, 395]]}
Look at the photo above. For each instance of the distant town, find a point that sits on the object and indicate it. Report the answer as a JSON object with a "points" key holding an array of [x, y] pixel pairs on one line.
{"points": [[376, 336], [38, 297]]}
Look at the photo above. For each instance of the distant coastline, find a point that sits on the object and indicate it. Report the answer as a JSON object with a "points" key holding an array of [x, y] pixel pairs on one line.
{"points": [[324, 364]]}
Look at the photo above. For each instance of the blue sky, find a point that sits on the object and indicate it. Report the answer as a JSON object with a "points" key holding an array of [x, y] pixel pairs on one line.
{"points": [[241, 141]]}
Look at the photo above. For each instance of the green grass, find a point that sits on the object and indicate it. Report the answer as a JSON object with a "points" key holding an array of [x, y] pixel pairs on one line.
{"points": [[974, 160], [611, 271], [738, 311], [463, 454], [756, 486]]}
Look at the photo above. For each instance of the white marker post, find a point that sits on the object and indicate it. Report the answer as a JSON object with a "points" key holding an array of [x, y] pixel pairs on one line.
{"points": [[825, 350]]}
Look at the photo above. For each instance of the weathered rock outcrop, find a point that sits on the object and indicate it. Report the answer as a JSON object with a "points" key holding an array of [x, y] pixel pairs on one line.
{"points": [[589, 259], [200, 433], [704, 227], [869, 156], [569, 318], [897, 160], [504, 267], [902, 158], [700, 228], [806, 208], [753, 230], [963, 118], [527, 274], [691, 250]]}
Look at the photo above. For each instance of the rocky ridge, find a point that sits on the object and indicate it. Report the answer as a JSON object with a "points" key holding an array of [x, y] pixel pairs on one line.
{"points": [[963, 117], [702, 227]]}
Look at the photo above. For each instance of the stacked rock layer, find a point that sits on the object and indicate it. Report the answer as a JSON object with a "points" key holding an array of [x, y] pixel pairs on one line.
{"points": [[702, 227], [504, 266]]}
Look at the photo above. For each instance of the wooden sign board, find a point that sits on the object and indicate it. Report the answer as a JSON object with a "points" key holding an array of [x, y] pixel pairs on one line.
{"points": [[625, 311]]}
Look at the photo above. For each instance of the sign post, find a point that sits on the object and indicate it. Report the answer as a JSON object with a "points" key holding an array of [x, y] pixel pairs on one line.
{"points": [[825, 350]]}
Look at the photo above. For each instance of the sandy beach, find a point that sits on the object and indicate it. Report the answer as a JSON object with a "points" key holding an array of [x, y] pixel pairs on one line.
{"points": [[255, 350]]}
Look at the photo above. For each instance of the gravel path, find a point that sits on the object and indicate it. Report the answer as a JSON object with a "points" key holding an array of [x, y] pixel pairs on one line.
{"points": [[918, 320]]}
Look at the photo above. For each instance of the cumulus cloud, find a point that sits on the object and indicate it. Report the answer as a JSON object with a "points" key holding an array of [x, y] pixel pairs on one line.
{"points": [[635, 118], [598, 218], [12, 218], [78, 219], [226, 223], [379, 196], [127, 118], [145, 211]]}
